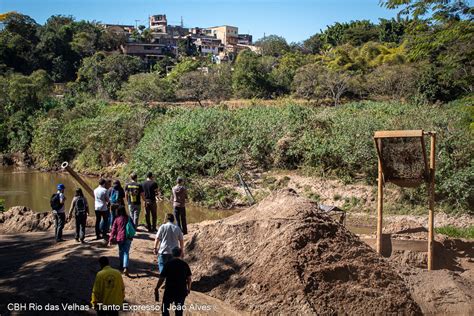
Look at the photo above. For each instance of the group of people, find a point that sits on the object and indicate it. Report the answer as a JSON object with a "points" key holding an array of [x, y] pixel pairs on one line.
{"points": [[111, 216]]}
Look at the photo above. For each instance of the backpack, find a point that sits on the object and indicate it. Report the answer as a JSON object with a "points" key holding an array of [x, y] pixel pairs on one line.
{"points": [[114, 196], [134, 192], [80, 205], [130, 231], [55, 202]]}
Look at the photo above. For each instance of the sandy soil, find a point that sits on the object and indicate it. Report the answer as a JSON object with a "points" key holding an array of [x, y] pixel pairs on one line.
{"points": [[276, 257], [35, 269]]}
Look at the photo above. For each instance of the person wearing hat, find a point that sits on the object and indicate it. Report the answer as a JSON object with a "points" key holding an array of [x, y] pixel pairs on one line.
{"points": [[179, 196], [57, 202]]}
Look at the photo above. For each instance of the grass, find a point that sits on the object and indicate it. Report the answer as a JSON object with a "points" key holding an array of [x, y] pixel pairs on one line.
{"points": [[451, 231], [2, 205]]}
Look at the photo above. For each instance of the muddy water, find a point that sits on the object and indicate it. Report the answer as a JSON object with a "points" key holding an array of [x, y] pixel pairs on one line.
{"points": [[34, 189]]}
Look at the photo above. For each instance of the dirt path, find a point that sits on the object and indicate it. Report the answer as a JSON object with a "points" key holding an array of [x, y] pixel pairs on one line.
{"points": [[35, 269]]}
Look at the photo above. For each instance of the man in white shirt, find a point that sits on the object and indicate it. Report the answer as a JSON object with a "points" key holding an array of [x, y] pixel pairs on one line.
{"points": [[101, 210], [168, 237]]}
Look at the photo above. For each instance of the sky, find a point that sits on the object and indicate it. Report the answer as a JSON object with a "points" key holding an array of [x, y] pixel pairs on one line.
{"points": [[296, 20]]}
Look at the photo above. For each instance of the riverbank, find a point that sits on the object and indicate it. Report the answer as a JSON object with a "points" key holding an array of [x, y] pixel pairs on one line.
{"points": [[209, 145]]}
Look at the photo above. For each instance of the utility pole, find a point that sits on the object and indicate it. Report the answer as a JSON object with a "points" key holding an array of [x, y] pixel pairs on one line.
{"points": [[182, 22]]}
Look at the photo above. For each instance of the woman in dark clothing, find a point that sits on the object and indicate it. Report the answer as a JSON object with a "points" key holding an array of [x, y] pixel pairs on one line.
{"points": [[81, 209], [116, 198], [119, 235]]}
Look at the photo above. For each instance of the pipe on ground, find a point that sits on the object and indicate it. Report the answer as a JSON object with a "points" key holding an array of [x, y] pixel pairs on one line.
{"points": [[85, 186]]}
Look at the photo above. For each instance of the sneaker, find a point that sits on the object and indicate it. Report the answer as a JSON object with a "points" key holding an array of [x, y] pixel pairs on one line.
{"points": [[83, 241], [125, 272], [77, 239]]}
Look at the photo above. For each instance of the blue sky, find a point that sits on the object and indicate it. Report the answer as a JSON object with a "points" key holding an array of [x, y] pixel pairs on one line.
{"points": [[296, 20]]}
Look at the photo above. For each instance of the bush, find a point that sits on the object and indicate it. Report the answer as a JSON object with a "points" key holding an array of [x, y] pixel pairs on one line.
{"points": [[146, 88], [455, 232], [93, 134], [398, 82], [206, 142]]}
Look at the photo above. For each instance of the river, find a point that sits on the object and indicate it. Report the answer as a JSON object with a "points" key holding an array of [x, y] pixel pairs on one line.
{"points": [[33, 189]]}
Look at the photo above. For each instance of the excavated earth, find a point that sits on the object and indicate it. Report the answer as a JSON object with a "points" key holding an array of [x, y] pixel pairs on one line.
{"points": [[284, 256]]}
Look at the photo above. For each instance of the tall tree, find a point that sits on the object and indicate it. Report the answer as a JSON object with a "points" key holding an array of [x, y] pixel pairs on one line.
{"points": [[273, 45], [250, 79]]}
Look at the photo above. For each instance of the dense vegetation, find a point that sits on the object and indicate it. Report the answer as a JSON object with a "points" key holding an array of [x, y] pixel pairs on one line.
{"points": [[217, 142], [412, 68]]}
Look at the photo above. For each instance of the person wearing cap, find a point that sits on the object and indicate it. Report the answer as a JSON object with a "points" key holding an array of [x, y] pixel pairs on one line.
{"points": [[58, 202], [179, 196], [177, 275]]}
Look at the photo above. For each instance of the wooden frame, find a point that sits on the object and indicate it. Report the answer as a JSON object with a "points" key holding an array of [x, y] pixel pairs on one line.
{"points": [[430, 179]]}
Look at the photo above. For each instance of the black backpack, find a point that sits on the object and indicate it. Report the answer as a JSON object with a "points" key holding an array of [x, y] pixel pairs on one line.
{"points": [[80, 205], [56, 202]]}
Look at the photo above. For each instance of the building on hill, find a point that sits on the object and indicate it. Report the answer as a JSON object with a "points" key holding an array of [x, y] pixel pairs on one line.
{"points": [[119, 29], [158, 23], [244, 39], [208, 45], [148, 52], [229, 35]]}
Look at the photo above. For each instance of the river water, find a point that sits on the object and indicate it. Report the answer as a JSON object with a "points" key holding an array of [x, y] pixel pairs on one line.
{"points": [[33, 189]]}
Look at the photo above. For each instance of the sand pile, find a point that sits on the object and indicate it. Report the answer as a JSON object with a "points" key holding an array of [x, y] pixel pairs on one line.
{"points": [[284, 256], [21, 219]]}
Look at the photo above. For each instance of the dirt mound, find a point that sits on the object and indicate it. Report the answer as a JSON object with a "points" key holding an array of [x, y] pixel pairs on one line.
{"points": [[21, 219], [441, 292], [284, 255]]}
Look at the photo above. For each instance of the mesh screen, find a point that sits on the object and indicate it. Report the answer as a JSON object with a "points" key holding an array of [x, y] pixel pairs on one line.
{"points": [[403, 161]]}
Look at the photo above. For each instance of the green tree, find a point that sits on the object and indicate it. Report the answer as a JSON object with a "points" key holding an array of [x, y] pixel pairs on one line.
{"points": [[392, 30], [147, 87], [314, 81], [283, 74], [103, 74], [18, 40], [440, 10], [314, 44], [250, 79], [273, 45]]}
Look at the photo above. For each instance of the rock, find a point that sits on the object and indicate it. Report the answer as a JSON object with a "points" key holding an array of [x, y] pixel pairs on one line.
{"points": [[21, 219]]}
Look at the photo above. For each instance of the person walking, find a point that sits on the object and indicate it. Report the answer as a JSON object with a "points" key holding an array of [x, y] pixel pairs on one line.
{"points": [[168, 237], [116, 196], [150, 188], [134, 196], [58, 202], [80, 208], [177, 275], [101, 212], [122, 236], [108, 289], [179, 196]]}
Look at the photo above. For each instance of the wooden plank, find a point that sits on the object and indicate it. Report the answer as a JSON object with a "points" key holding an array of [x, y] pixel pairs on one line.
{"points": [[379, 207], [431, 203], [399, 133], [399, 244]]}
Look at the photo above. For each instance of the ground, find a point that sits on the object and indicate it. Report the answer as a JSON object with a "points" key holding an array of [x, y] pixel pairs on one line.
{"points": [[37, 269]]}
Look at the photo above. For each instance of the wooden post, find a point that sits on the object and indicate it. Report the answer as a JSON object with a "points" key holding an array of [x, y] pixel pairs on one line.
{"points": [[84, 185], [431, 201], [379, 202]]}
